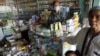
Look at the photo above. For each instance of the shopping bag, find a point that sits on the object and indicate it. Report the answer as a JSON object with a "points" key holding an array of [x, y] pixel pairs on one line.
{"points": [[57, 26], [59, 33], [58, 29]]}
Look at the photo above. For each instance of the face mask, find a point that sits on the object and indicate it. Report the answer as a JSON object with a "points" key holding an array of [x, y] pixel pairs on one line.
{"points": [[57, 8]]}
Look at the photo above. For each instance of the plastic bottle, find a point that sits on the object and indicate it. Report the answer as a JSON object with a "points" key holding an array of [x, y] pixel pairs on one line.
{"points": [[76, 18]]}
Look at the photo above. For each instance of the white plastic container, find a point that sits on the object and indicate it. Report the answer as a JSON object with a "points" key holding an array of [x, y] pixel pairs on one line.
{"points": [[70, 25]]}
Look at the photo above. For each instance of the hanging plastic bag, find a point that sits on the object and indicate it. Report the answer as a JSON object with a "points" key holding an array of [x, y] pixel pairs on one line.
{"points": [[58, 29]]}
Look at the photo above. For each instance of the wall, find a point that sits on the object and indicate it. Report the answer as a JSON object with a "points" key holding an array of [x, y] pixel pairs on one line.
{"points": [[82, 10], [2, 1], [90, 4], [96, 3]]}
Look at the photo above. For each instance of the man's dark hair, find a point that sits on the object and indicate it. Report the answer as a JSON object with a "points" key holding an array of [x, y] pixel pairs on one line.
{"points": [[95, 8], [72, 52], [55, 2]]}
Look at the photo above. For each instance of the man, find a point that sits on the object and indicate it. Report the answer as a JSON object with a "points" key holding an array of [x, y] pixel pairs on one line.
{"points": [[57, 14], [1, 33], [88, 39], [24, 31], [7, 31]]}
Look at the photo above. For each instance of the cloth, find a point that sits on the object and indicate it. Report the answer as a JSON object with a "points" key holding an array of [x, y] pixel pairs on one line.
{"points": [[7, 30], [24, 32], [24, 35], [23, 27], [1, 34], [7, 34], [57, 17], [87, 41], [94, 49]]}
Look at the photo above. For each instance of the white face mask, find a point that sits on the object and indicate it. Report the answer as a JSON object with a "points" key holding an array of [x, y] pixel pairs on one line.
{"points": [[57, 8]]}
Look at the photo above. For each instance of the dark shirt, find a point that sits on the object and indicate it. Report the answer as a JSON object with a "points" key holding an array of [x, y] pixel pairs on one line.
{"points": [[55, 17]]}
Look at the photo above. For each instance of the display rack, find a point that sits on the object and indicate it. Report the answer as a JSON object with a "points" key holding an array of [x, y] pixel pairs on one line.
{"points": [[70, 2], [7, 9], [26, 8]]}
